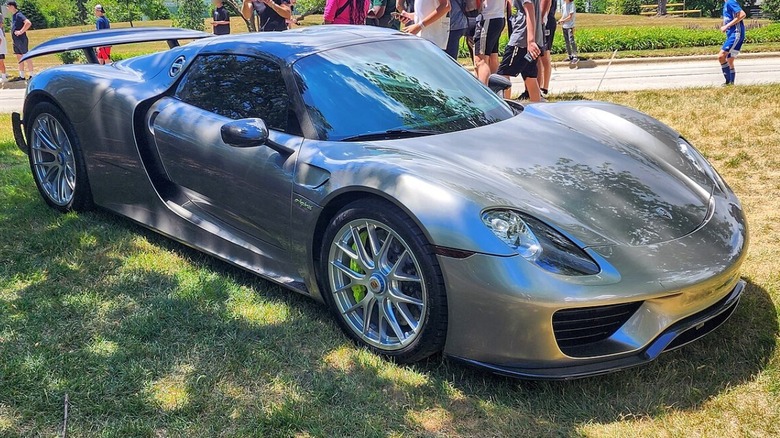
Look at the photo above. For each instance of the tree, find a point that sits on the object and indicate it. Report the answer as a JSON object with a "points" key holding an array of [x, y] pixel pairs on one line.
{"points": [[234, 6], [190, 14], [771, 8]]}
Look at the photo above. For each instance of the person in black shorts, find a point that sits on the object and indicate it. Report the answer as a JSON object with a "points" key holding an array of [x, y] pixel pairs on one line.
{"points": [[273, 13], [490, 24], [521, 52], [544, 62], [19, 26]]}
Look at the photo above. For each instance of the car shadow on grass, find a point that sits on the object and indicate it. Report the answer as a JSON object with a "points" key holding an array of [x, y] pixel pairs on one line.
{"points": [[149, 337]]}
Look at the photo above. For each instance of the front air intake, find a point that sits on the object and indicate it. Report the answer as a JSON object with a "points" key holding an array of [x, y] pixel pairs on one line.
{"points": [[577, 328]]}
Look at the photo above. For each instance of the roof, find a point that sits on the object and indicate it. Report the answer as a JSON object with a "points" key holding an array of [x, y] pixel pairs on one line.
{"points": [[297, 43]]}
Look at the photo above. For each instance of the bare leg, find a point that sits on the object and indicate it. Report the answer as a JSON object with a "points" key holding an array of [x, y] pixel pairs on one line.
{"points": [[532, 86], [482, 66]]}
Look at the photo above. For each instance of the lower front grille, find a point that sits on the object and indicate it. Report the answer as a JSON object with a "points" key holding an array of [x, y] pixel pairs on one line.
{"points": [[575, 328]]}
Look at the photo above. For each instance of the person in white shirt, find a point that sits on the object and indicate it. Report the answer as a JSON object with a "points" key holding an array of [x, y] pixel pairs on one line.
{"points": [[568, 16], [428, 20]]}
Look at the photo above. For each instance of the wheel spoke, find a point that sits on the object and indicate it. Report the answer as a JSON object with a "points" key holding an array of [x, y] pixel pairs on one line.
{"points": [[368, 309], [359, 305], [363, 257], [395, 273], [373, 240], [389, 316], [401, 297], [347, 271], [410, 321], [44, 135], [385, 249]]}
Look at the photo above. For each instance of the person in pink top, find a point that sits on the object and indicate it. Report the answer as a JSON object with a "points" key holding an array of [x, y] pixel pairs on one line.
{"points": [[346, 11]]}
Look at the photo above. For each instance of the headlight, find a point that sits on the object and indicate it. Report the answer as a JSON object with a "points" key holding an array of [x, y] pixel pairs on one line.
{"points": [[700, 163], [539, 243]]}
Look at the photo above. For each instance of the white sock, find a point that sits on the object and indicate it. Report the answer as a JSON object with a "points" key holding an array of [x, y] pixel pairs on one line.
{"points": [[21, 73]]}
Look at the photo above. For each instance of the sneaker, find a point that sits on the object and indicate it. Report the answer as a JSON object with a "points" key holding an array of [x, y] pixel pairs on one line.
{"points": [[16, 79], [727, 84], [575, 60], [524, 96]]}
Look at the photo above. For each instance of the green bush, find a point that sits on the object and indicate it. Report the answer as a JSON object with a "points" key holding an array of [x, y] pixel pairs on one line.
{"points": [[190, 14], [72, 57], [651, 38], [632, 7], [771, 8]]}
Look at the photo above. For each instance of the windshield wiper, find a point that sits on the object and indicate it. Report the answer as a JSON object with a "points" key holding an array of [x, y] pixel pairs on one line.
{"points": [[392, 134]]}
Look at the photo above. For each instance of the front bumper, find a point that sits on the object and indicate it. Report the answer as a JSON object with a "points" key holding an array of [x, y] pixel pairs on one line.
{"points": [[679, 334], [503, 310]]}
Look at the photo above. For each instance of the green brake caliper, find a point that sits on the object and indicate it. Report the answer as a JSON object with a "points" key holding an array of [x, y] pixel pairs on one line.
{"points": [[359, 291]]}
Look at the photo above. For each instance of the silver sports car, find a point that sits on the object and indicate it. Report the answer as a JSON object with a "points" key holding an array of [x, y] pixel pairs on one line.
{"points": [[366, 169]]}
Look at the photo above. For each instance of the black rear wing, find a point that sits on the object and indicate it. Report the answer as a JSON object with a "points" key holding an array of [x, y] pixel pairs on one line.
{"points": [[87, 41]]}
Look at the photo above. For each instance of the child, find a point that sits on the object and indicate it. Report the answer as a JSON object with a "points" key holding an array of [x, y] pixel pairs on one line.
{"points": [[523, 48], [568, 14]]}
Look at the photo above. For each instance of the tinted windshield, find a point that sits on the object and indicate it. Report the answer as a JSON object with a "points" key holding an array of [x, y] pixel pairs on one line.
{"points": [[393, 85]]}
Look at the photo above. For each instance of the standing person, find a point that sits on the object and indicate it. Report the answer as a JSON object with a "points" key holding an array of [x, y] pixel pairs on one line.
{"points": [[544, 61], [568, 15], [19, 26], [220, 19], [490, 24], [458, 27], [3, 51], [428, 20], [272, 13], [346, 11], [734, 28], [103, 53], [522, 50], [381, 14]]}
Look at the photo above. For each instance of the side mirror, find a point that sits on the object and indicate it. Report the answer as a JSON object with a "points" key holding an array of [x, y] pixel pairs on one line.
{"points": [[498, 83], [245, 133]]}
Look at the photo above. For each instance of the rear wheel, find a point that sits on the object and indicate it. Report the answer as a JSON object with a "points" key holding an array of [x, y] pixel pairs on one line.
{"points": [[56, 161], [383, 281]]}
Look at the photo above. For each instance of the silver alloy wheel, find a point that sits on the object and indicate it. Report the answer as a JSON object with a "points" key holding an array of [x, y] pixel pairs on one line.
{"points": [[52, 159], [377, 284]]}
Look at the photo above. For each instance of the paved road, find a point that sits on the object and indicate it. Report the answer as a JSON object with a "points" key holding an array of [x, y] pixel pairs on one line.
{"points": [[620, 76], [665, 73]]}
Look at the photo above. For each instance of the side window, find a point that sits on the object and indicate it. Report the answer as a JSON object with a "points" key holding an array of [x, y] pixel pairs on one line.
{"points": [[239, 87]]}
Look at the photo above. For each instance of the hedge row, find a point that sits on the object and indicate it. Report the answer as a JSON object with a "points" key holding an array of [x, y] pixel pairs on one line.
{"points": [[649, 38], [607, 40]]}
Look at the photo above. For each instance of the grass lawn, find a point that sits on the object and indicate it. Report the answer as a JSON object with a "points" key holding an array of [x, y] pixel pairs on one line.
{"points": [[150, 338]]}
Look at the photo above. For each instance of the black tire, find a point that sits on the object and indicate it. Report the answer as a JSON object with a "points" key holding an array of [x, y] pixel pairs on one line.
{"points": [[399, 272], [56, 160]]}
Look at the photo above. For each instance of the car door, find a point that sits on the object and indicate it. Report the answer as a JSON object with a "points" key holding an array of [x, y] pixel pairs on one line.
{"points": [[247, 188]]}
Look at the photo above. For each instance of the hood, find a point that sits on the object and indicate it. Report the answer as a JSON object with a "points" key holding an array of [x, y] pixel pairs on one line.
{"points": [[603, 173]]}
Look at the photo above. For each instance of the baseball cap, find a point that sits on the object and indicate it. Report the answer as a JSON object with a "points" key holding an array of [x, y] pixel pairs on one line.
{"points": [[100, 8]]}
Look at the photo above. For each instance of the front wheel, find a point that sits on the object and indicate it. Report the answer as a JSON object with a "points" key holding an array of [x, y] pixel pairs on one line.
{"points": [[383, 281], [56, 161]]}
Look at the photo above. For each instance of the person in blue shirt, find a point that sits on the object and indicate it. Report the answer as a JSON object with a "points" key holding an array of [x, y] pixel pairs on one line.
{"points": [[103, 53], [734, 29], [19, 27]]}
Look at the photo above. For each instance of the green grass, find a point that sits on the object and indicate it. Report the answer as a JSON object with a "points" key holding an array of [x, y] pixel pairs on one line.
{"points": [[150, 338]]}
